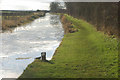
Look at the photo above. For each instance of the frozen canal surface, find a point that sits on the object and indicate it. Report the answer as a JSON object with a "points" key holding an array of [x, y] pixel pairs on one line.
{"points": [[19, 48]]}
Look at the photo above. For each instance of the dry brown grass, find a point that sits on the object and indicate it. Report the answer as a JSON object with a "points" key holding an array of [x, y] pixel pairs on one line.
{"points": [[68, 27], [14, 21]]}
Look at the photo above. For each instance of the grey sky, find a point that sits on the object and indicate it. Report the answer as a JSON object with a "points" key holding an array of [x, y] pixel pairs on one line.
{"points": [[37, 4], [25, 4], [92, 0]]}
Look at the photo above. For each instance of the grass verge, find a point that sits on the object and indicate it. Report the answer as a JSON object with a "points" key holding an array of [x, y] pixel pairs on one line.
{"points": [[86, 53]]}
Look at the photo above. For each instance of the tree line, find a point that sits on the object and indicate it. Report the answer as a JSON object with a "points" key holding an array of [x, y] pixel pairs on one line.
{"points": [[104, 15]]}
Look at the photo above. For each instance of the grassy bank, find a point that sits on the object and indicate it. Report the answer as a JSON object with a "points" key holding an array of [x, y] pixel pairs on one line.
{"points": [[85, 53], [13, 19]]}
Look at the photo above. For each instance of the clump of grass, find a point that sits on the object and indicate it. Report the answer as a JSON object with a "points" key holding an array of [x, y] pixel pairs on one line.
{"points": [[83, 54]]}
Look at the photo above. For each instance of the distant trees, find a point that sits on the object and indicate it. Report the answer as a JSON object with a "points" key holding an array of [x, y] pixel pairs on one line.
{"points": [[38, 10], [57, 7], [54, 6]]}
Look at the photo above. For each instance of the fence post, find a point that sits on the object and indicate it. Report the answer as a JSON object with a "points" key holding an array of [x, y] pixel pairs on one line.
{"points": [[43, 56]]}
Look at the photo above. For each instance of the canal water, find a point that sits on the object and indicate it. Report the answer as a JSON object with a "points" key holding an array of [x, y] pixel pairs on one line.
{"points": [[19, 47]]}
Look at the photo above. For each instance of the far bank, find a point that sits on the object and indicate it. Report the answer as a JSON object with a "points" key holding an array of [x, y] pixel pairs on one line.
{"points": [[13, 19]]}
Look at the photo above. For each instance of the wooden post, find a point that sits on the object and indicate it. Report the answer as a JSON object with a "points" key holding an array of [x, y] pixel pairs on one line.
{"points": [[43, 56]]}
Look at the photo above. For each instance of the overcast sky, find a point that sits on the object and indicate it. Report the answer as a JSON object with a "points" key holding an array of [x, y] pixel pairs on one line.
{"points": [[24, 4], [36, 4]]}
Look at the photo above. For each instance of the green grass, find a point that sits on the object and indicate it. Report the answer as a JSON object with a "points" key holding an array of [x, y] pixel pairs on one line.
{"points": [[83, 54]]}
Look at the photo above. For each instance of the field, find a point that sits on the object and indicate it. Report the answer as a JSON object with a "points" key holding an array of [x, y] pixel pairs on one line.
{"points": [[83, 53], [12, 19]]}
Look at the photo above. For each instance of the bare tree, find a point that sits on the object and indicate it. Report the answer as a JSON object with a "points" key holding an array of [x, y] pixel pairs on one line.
{"points": [[54, 6]]}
